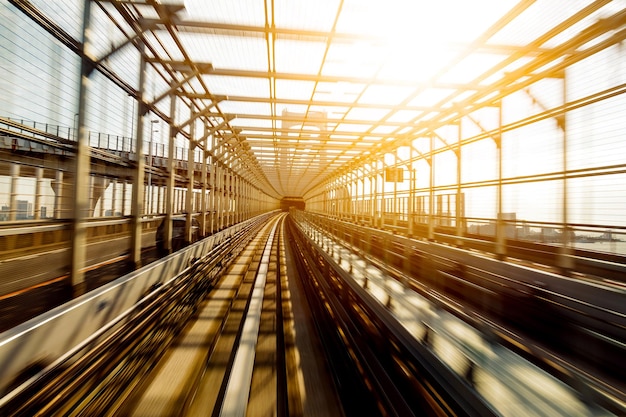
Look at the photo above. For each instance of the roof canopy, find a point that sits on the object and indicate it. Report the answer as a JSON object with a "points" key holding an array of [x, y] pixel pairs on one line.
{"points": [[303, 90]]}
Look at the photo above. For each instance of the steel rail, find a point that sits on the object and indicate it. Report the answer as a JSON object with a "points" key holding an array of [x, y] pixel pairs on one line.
{"points": [[133, 339], [235, 400], [599, 391], [377, 343]]}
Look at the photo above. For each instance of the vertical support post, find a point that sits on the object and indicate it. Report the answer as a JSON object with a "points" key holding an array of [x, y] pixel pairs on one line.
{"points": [[190, 179], [411, 202], [232, 180], [214, 198], [225, 197], [251, 212], [242, 199], [58, 194], [37, 209], [148, 192], [38, 184], [500, 225], [565, 258], [237, 199], [431, 191], [146, 200], [113, 196], [354, 185], [374, 195], [169, 186], [124, 186], [330, 200], [246, 199], [137, 207], [396, 211], [213, 189], [383, 195], [339, 206], [15, 174], [341, 197], [203, 176], [159, 208], [459, 208], [348, 191], [363, 204], [220, 197], [229, 194], [81, 169], [234, 207], [100, 186]]}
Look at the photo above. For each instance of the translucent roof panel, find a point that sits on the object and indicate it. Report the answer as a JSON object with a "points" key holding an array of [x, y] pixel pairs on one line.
{"points": [[321, 83], [226, 11], [305, 15], [301, 57], [237, 86], [227, 52], [294, 90]]}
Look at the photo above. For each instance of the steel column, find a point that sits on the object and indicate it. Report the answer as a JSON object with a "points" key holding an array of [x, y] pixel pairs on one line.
{"points": [[431, 191], [396, 212], [57, 185], [460, 227], [15, 174], [374, 196], [38, 184], [124, 186], [190, 178], [82, 168], [411, 203], [137, 209], [565, 259], [169, 187], [500, 225], [203, 176], [213, 189], [113, 196], [220, 197]]}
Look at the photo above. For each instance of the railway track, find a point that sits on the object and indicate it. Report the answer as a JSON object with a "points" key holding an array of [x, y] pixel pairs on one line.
{"points": [[392, 279], [267, 322], [242, 352], [198, 373], [381, 371], [95, 377], [223, 338]]}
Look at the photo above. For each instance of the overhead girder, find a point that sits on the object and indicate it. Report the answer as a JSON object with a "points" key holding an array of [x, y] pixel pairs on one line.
{"points": [[250, 31], [461, 102], [338, 79], [308, 121], [561, 56], [168, 18], [320, 103]]}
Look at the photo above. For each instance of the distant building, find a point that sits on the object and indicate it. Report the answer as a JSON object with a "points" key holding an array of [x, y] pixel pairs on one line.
{"points": [[510, 225], [24, 210], [551, 235]]}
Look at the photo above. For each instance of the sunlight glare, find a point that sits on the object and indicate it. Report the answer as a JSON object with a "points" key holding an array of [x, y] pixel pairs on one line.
{"points": [[421, 37]]}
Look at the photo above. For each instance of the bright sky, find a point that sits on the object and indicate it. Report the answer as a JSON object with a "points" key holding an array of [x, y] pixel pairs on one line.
{"points": [[415, 41]]}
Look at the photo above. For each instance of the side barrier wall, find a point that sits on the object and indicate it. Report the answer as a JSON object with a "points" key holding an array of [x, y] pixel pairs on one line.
{"points": [[54, 334]]}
